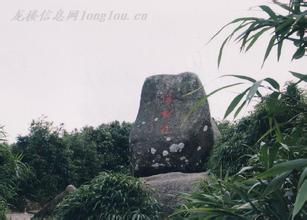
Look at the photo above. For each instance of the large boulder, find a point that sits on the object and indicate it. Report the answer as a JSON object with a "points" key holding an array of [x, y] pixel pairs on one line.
{"points": [[173, 130], [168, 188]]}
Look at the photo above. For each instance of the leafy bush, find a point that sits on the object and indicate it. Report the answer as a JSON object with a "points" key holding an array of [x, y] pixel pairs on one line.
{"points": [[7, 173], [104, 148], [6, 185], [11, 172], [3, 207], [233, 149], [240, 140], [58, 158], [109, 196], [48, 158], [273, 185]]}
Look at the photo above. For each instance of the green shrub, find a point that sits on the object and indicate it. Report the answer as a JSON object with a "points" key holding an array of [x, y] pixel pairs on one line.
{"points": [[3, 207], [12, 170], [58, 158], [48, 158], [272, 183], [109, 196], [94, 150], [232, 150], [240, 140], [7, 173]]}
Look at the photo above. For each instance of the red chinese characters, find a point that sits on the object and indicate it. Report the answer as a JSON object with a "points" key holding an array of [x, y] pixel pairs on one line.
{"points": [[164, 129], [166, 114]]}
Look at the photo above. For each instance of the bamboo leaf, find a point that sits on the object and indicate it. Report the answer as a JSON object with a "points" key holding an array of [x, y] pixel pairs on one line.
{"points": [[284, 6], [232, 22], [273, 83], [255, 37], [278, 133], [239, 109], [299, 53], [302, 177], [282, 26], [244, 36], [300, 200], [201, 101], [284, 167], [269, 48], [279, 48], [221, 52], [302, 77], [269, 11], [234, 103], [276, 183], [242, 77]]}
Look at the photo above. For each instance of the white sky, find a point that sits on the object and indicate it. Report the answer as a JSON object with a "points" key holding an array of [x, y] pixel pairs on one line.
{"points": [[88, 72]]}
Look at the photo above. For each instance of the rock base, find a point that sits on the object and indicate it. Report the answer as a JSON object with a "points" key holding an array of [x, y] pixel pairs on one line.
{"points": [[169, 186]]}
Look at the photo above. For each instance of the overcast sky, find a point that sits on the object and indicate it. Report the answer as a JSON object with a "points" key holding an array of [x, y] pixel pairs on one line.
{"points": [[88, 72]]}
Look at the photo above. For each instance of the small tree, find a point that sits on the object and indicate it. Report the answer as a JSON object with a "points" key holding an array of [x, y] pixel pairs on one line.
{"points": [[48, 157]]}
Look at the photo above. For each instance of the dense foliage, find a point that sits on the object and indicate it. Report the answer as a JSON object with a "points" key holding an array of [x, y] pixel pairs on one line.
{"points": [[289, 26], [44, 152], [11, 172], [57, 158], [6, 190], [98, 149], [110, 196], [265, 185], [273, 182], [242, 137]]}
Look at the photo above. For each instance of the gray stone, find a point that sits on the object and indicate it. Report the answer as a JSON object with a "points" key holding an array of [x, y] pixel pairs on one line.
{"points": [[216, 132], [167, 188], [170, 125]]}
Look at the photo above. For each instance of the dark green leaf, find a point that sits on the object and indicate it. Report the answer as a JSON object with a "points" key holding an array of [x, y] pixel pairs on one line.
{"points": [[221, 52], [284, 167], [201, 101], [300, 200], [239, 109], [273, 83], [264, 155], [286, 25], [242, 77], [255, 38], [284, 6], [234, 103], [302, 77], [302, 177], [279, 47], [233, 22], [276, 183], [269, 48], [299, 53], [269, 11]]}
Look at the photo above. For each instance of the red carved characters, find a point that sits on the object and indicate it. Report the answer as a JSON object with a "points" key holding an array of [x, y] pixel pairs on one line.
{"points": [[166, 114], [164, 129]]}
